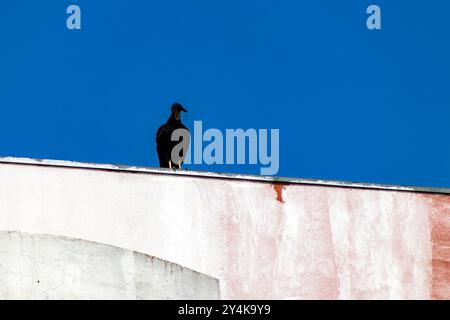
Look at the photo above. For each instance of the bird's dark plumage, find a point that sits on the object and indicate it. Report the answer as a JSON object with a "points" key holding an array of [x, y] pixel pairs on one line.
{"points": [[164, 145]]}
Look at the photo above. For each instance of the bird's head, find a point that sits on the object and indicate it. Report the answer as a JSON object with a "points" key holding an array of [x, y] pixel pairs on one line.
{"points": [[177, 109]]}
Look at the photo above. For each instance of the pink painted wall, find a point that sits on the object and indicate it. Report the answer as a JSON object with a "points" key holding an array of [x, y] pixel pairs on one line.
{"points": [[259, 239], [345, 243], [439, 213]]}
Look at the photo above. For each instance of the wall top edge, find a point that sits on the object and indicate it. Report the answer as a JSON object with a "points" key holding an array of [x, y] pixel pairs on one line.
{"points": [[213, 175]]}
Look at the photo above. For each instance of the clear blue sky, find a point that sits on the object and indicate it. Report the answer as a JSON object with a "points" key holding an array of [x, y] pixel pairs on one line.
{"points": [[351, 104]]}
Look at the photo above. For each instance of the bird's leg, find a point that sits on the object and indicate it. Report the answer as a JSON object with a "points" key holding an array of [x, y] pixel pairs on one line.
{"points": [[179, 164], [170, 164]]}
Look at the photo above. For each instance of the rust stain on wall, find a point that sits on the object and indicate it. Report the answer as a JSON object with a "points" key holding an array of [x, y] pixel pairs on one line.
{"points": [[278, 187]]}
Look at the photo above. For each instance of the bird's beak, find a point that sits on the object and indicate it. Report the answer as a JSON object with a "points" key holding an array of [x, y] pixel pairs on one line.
{"points": [[183, 109]]}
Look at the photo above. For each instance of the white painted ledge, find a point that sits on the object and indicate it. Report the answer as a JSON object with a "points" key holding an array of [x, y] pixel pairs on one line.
{"points": [[204, 174]]}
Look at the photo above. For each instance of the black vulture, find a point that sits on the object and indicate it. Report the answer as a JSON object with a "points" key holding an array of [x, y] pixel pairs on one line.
{"points": [[164, 144]]}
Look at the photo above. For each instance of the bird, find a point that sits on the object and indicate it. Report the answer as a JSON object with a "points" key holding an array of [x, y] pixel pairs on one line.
{"points": [[164, 143]]}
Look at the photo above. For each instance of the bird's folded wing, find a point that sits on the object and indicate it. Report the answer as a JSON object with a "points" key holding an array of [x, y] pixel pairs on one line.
{"points": [[162, 133]]}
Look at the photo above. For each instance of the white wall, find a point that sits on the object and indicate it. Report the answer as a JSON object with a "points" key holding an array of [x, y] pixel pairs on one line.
{"points": [[53, 267], [316, 242]]}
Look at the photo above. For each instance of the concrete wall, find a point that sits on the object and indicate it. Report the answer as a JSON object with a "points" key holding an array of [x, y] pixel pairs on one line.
{"points": [[53, 267], [261, 239]]}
